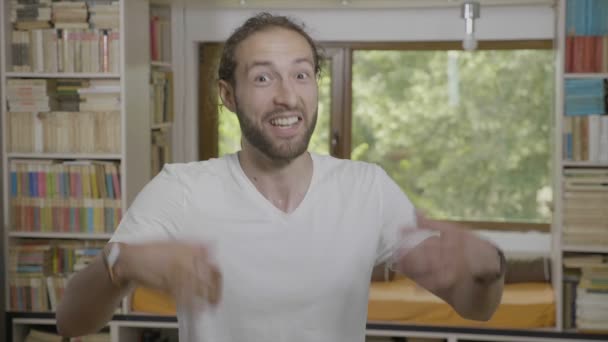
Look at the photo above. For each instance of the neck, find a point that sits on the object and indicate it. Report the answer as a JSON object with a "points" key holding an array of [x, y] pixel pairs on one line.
{"points": [[284, 183]]}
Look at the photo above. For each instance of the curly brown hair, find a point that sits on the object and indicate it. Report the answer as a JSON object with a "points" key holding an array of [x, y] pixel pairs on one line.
{"points": [[260, 22]]}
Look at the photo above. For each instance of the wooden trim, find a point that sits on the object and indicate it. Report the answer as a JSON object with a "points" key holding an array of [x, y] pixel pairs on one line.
{"points": [[347, 128], [208, 136], [337, 94], [540, 44]]}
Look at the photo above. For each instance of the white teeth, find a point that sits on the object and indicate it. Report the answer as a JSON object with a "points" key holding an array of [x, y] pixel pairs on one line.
{"points": [[284, 122]]}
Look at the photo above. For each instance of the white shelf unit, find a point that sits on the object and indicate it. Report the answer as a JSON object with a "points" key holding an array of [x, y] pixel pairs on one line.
{"points": [[160, 64], [162, 125], [51, 235], [66, 156], [60, 75], [561, 248], [163, 62], [134, 75], [586, 75], [119, 330]]}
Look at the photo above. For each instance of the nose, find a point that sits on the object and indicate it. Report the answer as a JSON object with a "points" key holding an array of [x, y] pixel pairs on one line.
{"points": [[285, 94]]}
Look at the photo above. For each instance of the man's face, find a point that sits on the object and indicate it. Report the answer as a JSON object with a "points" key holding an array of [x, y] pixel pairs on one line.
{"points": [[276, 92]]}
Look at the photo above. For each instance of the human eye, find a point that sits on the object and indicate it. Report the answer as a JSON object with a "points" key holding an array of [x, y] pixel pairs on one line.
{"points": [[303, 75], [261, 78]]}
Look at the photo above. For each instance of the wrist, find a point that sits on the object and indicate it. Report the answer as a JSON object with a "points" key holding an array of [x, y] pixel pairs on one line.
{"points": [[497, 271], [117, 255]]}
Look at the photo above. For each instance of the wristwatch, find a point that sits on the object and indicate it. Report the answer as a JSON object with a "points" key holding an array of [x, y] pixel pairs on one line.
{"points": [[111, 254]]}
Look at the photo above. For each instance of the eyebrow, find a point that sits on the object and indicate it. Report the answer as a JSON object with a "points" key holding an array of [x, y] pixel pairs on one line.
{"points": [[270, 64]]}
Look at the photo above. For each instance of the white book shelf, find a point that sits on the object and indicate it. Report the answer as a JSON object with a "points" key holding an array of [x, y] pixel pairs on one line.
{"points": [[135, 133]]}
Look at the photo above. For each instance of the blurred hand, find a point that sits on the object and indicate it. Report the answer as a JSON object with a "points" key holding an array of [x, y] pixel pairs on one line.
{"points": [[441, 261], [183, 270]]}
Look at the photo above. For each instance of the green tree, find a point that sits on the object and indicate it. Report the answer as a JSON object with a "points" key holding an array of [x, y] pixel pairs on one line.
{"points": [[466, 135]]}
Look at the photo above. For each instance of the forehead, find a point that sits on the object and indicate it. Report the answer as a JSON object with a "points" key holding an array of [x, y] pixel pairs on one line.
{"points": [[276, 45]]}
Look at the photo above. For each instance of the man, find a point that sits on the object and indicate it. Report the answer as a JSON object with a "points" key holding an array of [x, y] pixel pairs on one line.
{"points": [[274, 243]]}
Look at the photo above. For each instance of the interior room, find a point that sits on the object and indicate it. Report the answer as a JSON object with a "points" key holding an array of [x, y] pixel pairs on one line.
{"points": [[488, 117]]}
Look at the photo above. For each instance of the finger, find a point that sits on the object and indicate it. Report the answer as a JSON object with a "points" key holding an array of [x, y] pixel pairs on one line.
{"points": [[215, 290]]}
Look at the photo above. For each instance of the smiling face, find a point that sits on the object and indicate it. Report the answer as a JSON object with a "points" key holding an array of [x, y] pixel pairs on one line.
{"points": [[275, 94]]}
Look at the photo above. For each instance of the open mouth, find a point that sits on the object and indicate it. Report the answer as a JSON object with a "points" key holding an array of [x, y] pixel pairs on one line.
{"points": [[286, 121]]}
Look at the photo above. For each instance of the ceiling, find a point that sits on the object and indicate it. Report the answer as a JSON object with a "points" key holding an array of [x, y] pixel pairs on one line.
{"points": [[363, 4]]}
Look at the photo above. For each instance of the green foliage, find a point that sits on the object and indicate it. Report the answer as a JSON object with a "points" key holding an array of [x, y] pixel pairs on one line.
{"points": [[466, 135]]}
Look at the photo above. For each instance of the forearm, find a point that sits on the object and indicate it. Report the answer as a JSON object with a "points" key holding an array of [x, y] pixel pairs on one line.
{"points": [[89, 301]]}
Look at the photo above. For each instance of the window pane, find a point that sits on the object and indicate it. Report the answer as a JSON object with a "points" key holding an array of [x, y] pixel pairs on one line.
{"points": [[230, 132], [466, 135]]}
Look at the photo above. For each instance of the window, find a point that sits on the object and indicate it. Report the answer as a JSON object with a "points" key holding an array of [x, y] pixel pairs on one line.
{"points": [[467, 135]]}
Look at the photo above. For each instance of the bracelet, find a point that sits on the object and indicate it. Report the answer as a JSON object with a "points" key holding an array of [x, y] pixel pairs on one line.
{"points": [[110, 256]]}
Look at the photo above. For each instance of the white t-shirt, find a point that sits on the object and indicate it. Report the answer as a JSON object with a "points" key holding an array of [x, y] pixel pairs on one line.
{"points": [[302, 276]]}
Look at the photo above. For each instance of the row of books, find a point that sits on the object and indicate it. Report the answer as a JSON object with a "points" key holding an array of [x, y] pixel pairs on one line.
{"points": [[51, 179], [40, 270], [161, 149], [586, 292], [29, 95], [69, 197], [65, 14], [41, 258], [585, 138], [586, 54], [586, 96], [160, 39], [65, 216], [585, 215], [66, 50], [161, 96], [586, 17], [72, 95], [64, 132]]}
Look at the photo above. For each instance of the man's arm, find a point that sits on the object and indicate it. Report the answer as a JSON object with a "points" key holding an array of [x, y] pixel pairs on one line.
{"points": [[457, 266], [183, 270], [89, 301]]}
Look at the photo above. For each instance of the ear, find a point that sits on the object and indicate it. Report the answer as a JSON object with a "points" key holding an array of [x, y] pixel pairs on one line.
{"points": [[227, 95]]}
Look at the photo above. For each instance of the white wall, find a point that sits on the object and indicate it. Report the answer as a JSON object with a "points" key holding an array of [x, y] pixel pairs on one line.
{"points": [[210, 25]]}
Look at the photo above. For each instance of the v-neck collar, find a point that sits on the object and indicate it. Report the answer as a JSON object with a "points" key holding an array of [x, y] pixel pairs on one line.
{"points": [[243, 180]]}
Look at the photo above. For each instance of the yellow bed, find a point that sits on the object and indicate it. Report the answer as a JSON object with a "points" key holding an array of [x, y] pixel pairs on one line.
{"points": [[524, 305]]}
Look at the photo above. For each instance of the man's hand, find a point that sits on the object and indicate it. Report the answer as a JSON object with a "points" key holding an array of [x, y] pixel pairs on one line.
{"points": [[457, 266], [183, 270]]}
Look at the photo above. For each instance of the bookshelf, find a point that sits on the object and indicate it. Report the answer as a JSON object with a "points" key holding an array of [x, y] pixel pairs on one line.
{"points": [[581, 166], [76, 138], [162, 106]]}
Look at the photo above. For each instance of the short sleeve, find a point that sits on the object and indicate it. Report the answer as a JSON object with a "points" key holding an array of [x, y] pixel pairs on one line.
{"points": [[156, 211], [399, 232]]}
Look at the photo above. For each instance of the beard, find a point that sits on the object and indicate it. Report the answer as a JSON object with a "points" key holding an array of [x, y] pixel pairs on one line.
{"points": [[281, 150]]}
